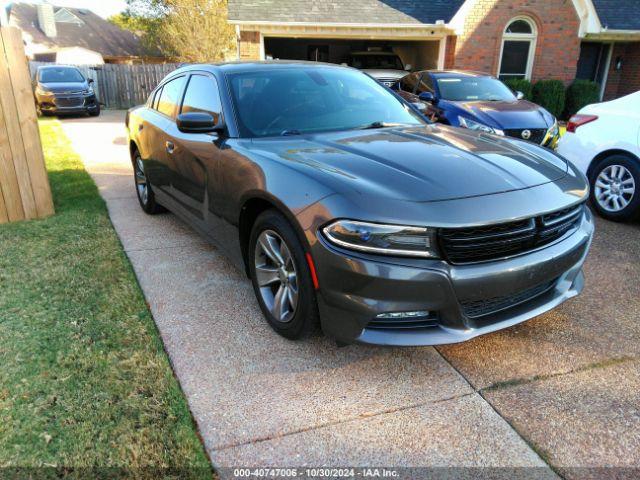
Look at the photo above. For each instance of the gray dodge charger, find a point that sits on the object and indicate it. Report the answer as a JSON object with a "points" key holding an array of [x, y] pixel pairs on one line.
{"points": [[350, 212]]}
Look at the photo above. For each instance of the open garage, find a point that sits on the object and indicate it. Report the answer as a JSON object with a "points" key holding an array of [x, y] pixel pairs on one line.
{"points": [[419, 55]]}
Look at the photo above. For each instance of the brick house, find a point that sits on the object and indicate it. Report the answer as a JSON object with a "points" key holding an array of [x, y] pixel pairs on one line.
{"points": [[534, 39]]}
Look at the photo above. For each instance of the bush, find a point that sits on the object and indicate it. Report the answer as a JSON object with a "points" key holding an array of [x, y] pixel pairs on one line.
{"points": [[550, 95], [520, 85], [579, 94]]}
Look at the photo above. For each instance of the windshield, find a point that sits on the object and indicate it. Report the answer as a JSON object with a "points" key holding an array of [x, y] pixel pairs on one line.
{"points": [[472, 89], [60, 75], [291, 101], [384, 62]]}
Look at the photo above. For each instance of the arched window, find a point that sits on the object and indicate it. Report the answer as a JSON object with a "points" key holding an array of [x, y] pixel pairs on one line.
{"points": [[518, 49]]}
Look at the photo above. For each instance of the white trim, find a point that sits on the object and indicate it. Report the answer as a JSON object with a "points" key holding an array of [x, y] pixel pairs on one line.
{"points": [[428, 26], [262, 54], [605, 74], [531, 38], [442, 53]]}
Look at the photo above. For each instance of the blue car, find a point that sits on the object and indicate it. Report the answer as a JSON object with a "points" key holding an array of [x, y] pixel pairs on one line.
{"points": [[478, 101]]}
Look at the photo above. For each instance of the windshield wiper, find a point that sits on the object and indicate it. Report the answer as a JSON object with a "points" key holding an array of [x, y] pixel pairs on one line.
{"points": [[381, 125], [286, 133]]}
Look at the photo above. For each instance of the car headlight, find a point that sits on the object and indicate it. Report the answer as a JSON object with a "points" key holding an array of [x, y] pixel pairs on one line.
{"points": [[397, 240], [41, 91], [554, 129], [473, 125]]}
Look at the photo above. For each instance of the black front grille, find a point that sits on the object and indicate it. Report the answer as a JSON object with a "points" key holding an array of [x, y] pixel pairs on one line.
{"points": [[67, 102], [478, 244], [537, 134], [488, 306]]}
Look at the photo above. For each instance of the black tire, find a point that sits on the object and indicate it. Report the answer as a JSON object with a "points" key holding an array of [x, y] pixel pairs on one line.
{"points": [[96, 112], [304, 318], [148, 201], [610, 164]]}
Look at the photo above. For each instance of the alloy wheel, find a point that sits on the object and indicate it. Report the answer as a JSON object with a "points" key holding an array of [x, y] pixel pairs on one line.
{"points": [[276, 276], [142, 186], [614, 188]]}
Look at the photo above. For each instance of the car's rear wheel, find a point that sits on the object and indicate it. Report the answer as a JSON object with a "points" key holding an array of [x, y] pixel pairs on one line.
{"points": [[146, 198], [615, 188], [281, 278]]}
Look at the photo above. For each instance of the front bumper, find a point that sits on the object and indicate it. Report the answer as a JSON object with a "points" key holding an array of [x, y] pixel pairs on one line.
{"points": [[57, 104], [356, 288]]}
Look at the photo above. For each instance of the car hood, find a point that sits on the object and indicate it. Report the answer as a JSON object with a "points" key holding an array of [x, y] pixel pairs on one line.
{"points": [[430, 163], [381, 73], [507, 115], [64, 87]]}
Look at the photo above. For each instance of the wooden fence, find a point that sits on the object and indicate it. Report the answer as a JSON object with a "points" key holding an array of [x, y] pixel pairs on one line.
{"points": [[24, 185], [121, 86]]}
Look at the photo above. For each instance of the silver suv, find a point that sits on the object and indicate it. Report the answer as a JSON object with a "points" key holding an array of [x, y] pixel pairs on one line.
{"points": [[386, 67]]}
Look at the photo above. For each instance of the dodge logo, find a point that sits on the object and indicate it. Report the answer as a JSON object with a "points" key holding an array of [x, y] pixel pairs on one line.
{"points": [[526, 134]]}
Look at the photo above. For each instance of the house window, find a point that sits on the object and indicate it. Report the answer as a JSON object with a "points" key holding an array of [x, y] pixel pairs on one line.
{"points": [[518, 49]]}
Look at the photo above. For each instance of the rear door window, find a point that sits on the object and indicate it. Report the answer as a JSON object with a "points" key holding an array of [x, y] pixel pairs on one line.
{"points": [[170, 96]]}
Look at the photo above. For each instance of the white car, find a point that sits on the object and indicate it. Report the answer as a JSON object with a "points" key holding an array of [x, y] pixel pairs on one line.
{"points": [[603, 141]]}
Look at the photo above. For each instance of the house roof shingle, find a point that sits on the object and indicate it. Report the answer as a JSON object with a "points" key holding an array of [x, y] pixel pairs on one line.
{"points": [[618, 14], [344, 11], [94, 33]]}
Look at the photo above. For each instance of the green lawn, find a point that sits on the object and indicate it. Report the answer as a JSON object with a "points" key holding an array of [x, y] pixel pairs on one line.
{"points": [[84, 380]]}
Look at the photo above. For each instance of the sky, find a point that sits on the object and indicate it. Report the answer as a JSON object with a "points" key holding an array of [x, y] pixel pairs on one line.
{"points": [[104, 8]]}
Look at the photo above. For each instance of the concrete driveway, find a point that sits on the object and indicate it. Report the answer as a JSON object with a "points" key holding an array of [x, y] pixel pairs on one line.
{"points": [[561, 392]]}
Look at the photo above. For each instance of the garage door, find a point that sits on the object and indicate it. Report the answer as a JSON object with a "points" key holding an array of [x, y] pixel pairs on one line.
{"points": [[420, 55]]}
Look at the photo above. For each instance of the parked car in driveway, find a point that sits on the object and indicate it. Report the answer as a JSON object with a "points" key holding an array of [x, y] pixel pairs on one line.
{"points": [[478, 101], [386, 67], [603, 141], [346, 208], [63, 89]]}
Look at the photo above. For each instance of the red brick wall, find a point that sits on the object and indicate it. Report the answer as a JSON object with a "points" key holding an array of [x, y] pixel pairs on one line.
{"points": [[627, 80], [557, 46], [450, 52]]}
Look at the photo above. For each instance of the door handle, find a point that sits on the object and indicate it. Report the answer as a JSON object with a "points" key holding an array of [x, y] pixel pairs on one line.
{"points": [[170, 147]]}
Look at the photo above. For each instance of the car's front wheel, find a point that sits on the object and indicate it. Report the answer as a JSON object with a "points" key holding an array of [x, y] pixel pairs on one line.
{"points": [[281, 278], [615, 184]]}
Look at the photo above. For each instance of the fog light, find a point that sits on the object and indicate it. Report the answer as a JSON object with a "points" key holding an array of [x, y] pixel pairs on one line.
{"points": [[395, 315]]}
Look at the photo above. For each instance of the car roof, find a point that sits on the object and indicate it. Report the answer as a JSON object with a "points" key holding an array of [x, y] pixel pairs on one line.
{"points": [[251, 66], [50, 67]]}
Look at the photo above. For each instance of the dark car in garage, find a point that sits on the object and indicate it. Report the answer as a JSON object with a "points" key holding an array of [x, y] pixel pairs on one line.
{"points": [[349, 211], [478, 101], [62, 89]]}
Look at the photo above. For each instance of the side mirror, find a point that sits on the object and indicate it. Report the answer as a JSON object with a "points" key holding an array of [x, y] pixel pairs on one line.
{"points": [[408, 67], [427, 97], [197, 122], [519, 95]]}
